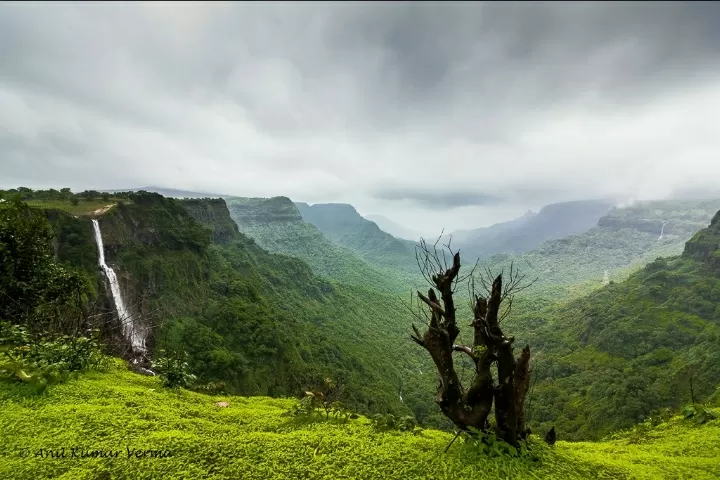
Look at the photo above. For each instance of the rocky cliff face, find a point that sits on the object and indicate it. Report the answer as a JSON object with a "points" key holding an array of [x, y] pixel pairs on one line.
{"points": [[705, 245], [680, 217], [331, 216], [155, 246], [342, 224], [214, 214], [276, 225], [253, 212]]}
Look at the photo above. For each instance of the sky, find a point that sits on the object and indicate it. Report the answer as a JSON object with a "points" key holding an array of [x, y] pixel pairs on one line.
{"points": [[435, 115]]}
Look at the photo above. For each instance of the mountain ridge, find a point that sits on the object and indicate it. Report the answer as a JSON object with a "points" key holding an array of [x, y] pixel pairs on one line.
{"points": [[342, 224]]}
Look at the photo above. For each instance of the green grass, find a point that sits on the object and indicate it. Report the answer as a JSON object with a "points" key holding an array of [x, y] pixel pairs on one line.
{"points": [[252, 439], [84, 207]]}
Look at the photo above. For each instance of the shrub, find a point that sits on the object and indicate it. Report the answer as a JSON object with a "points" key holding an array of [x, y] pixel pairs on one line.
{"points": [[324, 402], [700, 413], [174, 369], [390, 422], [47, 360]]}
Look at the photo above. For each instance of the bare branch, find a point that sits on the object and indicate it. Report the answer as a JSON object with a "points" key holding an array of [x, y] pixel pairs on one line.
{"points": [[431, 303], [465, 349]]}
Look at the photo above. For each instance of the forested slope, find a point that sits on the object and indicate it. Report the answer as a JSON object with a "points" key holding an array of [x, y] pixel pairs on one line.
{"points": [[261, 323], [342, 224], [277, 225], [608, 360]]}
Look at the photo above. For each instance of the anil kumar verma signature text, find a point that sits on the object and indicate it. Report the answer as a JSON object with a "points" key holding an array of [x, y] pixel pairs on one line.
{"points": [[82, 452]]}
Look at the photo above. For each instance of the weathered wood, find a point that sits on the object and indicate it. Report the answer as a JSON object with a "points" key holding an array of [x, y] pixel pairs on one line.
{"points": [[471, 407]]}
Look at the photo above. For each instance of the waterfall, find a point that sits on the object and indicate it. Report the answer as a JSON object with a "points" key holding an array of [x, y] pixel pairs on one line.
{"points": [[131, 331], [606, 278], [662, 230]]}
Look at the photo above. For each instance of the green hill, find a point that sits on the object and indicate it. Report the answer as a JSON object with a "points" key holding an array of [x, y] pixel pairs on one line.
{"points": [[342, 224], [277, 225], [624, 240], [610, 359], [261, 323], [147, 431], [266, 323]]}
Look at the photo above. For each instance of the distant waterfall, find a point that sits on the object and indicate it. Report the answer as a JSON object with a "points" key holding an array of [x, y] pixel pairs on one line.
{"points": [[606, 278], [662, 230], [132, 332]]}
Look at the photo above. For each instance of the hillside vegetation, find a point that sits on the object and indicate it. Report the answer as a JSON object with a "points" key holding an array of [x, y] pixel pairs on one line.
{"points": [[250, 321], [161, 433], [625, 240], [612, 358], [342, 224], [277, 225]]}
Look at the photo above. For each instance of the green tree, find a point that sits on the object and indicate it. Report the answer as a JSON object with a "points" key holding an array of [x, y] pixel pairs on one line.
{"points": [[32, 285]]}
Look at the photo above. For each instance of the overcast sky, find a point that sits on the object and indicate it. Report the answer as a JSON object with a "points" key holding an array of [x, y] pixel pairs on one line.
{"points": [[451, 115]]}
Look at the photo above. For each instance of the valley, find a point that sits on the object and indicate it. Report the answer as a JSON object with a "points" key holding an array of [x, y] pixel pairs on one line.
{"points": [[268, 297], [360, 240]]}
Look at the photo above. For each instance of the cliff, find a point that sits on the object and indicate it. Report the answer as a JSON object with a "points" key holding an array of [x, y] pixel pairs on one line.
{"points": [[705, 244], [214, 214], [260, 323], [680, 217], [277, 225], [74, 242], [342, 224], [253, 212]]}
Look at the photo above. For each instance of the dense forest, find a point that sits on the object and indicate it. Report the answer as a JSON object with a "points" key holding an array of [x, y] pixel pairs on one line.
{"points": [[264, 297]]}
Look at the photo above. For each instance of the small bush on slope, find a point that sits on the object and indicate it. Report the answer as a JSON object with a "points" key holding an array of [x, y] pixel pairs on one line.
{"points": [[252, 439]]}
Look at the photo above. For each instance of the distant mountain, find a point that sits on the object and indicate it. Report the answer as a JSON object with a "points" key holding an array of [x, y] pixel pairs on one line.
{"points": [[493, 231], [624, 240], [680, 217], [169, 192], [556, 220], [342, 224], [394, 229], [277, 225]]}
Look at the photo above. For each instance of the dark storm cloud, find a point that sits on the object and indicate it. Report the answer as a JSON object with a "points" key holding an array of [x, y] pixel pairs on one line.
{"points": [[439, 200], [507, 102], [484, 195]]}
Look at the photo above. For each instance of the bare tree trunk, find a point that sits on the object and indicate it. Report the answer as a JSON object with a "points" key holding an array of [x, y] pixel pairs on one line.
{"points": [[471, 407]]}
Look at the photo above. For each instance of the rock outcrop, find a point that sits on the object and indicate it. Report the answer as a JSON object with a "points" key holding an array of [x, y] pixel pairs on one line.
{"points": [[705, 245], [214, 214]]}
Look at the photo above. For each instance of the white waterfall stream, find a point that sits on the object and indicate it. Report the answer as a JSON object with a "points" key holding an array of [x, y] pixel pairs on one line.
{"points": [[662, 230], [133, 332]]}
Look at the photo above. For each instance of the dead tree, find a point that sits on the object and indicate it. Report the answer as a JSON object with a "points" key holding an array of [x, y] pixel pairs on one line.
{"points": [[469, 408]]}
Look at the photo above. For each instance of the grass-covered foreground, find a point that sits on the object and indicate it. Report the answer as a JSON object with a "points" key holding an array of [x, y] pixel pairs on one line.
{"points": [[252, 438]]}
